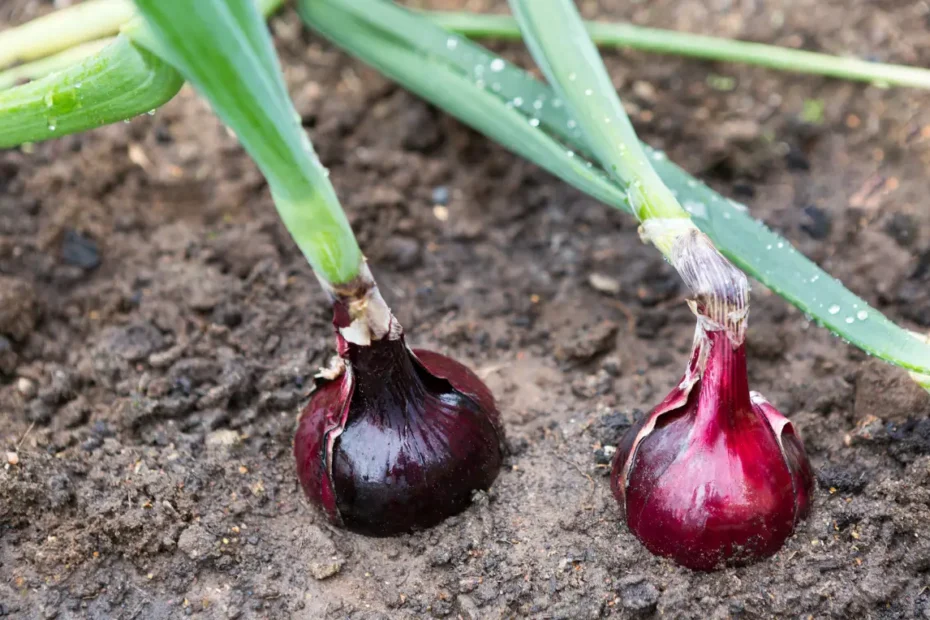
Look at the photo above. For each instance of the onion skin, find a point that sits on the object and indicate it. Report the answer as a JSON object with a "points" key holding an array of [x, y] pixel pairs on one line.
{"points": [[399, 441], [714, 476]]}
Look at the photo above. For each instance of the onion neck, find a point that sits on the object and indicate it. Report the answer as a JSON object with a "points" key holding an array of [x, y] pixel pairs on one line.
{"points": [[723, 399]]}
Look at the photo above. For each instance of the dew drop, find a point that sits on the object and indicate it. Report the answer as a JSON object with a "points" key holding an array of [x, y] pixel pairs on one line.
{"points": [[151, 112], [658, 155], [572, 77], [570, 153], [588, 92], [497, 65], [534, 122], [571, 124], [496, 87], [697, 209], [768, 247], [834, 309], [849, 319], [52, 124], [452, 43], [556, 103], [518, 101], [862, 315], [538, 104]]}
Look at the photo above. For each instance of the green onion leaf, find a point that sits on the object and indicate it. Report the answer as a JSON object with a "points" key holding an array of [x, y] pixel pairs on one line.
{"points": [[119, 82], [224, 49], [621, 35], [63, 29], [87, 86], [429, 61]]}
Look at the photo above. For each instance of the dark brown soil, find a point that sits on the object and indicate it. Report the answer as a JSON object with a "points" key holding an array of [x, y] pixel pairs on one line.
{"points": [[160, 331]]}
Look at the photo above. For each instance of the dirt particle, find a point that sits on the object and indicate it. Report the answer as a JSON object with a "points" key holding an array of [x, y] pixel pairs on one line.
{"points": [[844, 478], [604, 284], [8, 358], [325, 570], [889, 393], [18, 308], [25, 387], [638, 595], [132, 343], [903, 228], [467, 607], [196, 542], [80, 251], [588, 342], [60, 491], [222, 440], [816, 222], [401, 252], [12, 458]]}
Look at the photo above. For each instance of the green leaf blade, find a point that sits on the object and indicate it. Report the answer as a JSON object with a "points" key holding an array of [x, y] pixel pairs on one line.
{"points": [[623, 35], [740, 237], [119, 82]]}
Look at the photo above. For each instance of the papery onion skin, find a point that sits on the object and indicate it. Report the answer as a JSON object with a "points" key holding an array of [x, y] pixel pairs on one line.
{"points": [[713, 477], [399, 441]]}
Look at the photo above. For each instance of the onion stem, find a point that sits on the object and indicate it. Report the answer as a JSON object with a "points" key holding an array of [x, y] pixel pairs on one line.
{"points": [[224, 49], [556, 36], [622, 35]]}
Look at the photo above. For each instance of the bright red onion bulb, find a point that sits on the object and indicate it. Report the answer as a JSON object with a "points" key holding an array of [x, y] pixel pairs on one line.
{"points": [[399, 440], [714, 475]]}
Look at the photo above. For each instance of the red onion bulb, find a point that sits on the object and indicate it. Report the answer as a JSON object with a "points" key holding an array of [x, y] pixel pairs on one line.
{"points": [[714, 476], [398, 441]]}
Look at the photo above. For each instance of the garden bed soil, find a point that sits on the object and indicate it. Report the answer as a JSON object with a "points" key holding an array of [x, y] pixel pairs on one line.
{"points": [[161, 331]]}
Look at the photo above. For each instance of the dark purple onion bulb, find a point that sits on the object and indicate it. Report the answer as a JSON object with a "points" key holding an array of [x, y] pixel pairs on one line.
{"points": [[714, 476], [399, 440]]}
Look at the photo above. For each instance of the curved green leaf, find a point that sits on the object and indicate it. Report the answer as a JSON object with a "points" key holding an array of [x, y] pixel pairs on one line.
{"points": [[406, 47], [622, 35], [119, 82]]}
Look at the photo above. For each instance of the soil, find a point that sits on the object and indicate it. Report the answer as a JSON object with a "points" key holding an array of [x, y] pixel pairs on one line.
{"points": [[160, 331]]}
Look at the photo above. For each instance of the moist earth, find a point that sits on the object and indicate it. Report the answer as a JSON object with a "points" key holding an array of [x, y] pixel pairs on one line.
{"points": [[159, 332]]}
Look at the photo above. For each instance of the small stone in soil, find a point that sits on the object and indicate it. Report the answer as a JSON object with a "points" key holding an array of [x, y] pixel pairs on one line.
{"points": [[79, 251], [26, 387], [637, 594], [325, 570], [604, 284], [603, 456], [222, 439]]}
